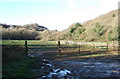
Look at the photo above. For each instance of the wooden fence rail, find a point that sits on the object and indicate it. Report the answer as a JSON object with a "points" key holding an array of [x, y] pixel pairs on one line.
{"points": [[61, 47]]}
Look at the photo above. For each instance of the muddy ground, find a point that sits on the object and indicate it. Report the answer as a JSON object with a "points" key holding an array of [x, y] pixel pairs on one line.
{"points": [[85, 67], [90, 67]]}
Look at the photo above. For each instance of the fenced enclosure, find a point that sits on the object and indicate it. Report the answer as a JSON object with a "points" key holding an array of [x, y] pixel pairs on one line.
{"points": [[67, 47]]}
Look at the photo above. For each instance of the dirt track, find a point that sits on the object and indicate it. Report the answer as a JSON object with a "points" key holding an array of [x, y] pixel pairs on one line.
{"points": [[80, 66], [90, 67]]}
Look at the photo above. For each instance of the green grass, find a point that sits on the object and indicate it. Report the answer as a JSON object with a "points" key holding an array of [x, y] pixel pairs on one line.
{"points": [[30, 42], [19, 69], [16, 63]]}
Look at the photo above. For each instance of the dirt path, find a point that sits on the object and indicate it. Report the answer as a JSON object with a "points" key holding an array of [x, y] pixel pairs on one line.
{"points": [[82, 67], [90, 67]]}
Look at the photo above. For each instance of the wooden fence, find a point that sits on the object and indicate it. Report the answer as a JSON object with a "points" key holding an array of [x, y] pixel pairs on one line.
{"points": [[59, 47], [66, 46]]}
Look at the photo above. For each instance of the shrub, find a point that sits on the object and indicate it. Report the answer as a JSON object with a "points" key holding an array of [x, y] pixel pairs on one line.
{"points": [[78, 25], [80, 30], [75, 27], [113, 15], [72, 30], [100, 29]]}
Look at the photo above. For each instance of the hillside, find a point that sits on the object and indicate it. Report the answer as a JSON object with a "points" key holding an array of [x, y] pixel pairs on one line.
{"points": [[102, 28]]}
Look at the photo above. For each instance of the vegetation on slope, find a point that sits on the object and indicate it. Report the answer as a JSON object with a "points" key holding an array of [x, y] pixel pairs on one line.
{"points": [[25, 32], [102, 28]]}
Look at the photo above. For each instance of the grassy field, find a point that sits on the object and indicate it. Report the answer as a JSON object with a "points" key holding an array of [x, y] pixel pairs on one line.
{"points": [[22, 42], [31, 42]]}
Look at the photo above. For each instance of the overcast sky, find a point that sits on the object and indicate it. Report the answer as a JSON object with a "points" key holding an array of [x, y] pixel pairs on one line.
{"points": [[53, 14]]}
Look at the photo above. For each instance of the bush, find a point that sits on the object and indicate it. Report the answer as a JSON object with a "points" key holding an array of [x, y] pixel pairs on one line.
{"points": [[72, 30], [78, 25], [113, 15], [100, 29], [80, 30], [75, 27]]}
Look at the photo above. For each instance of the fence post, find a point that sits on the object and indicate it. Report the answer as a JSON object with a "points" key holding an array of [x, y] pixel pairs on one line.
{"points": [[119, 49], [92, 48], [26, 48], [79, 48], [113, 45], [59, 46], [107, 47]]}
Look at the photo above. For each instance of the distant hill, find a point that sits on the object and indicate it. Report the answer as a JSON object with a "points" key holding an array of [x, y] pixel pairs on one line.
{"points": [[34, 26], [18, 32]]}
